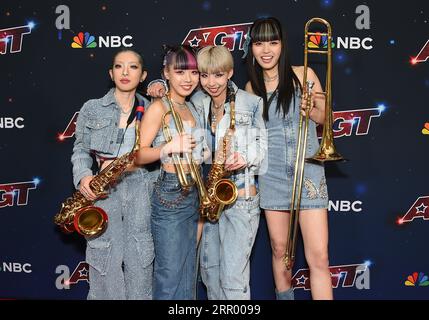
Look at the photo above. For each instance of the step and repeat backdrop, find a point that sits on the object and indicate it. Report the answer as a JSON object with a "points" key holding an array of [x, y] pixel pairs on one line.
{"points": [[55, 55]]}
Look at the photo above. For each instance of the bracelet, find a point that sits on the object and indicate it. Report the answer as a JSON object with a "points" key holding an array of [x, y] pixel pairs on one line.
{"points": [[162, 81]]}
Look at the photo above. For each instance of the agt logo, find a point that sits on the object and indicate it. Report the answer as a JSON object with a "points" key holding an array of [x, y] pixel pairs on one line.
{"points": [[86, 40], [417, 279], [345, 121], [419, 210], [230, 36], [347, 276], [422, 56], [348, 43], [64, 280], [16, 193], [15, 267], [70, 129], [14, 37]]}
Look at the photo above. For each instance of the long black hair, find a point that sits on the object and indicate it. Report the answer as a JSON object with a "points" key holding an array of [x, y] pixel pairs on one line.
{"points": [[270, 29]]}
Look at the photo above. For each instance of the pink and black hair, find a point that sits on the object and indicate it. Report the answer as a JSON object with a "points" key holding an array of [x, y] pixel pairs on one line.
{"points": [[180, 57]]}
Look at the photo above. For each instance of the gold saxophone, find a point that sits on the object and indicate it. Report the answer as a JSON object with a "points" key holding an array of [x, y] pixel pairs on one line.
{"points": [[221, 191], [79, 214]]}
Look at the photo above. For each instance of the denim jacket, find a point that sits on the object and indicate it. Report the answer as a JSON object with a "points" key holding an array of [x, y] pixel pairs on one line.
{"points": [[96, 130], [250, 138]]}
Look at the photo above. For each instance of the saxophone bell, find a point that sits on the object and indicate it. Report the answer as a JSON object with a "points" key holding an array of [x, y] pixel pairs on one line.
{"points": [[90, 221]]}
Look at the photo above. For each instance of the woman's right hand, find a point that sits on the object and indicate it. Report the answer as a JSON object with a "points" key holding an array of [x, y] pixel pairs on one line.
{"points": [[85, 189], [156, 90], [182, 143]]}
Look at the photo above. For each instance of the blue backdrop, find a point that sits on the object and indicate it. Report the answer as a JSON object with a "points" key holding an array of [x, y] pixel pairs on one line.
{"points": [[378, 200]]}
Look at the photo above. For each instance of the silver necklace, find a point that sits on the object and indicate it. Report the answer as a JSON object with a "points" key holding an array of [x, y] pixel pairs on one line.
{"points": [[125, 113], [218, 106], [269, 79], [214, 115], [180, 105], [122, 110]]}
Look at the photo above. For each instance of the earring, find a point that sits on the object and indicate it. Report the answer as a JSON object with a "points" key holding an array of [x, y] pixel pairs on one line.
{"points": [[253, 60]]}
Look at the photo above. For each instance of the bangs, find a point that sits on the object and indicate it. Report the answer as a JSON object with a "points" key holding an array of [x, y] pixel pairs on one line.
{"points": [[265, 30], [212, 66], [183, 60], [215, 59]]}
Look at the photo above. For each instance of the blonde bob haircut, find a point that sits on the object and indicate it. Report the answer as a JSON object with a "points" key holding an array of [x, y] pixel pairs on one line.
{"points": [[212, 59]]}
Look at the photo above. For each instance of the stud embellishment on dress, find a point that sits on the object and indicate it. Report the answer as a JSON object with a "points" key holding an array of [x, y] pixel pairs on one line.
{"points": [[313, 192]]}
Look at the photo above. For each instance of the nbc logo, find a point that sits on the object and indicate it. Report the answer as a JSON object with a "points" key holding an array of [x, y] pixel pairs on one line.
{"points": [[417, 279], [86, 40], [425, 130], [318, 42], [83, 41], [321, 42]]}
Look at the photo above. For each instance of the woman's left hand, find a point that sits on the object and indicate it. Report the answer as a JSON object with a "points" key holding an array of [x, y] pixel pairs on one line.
{"points": [[235, 162], [156, 90]]}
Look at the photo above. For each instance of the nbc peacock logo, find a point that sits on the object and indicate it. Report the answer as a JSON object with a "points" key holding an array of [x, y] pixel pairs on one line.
{"points": [[425, 129], [319, 42], [83, 40], [417, 280]]}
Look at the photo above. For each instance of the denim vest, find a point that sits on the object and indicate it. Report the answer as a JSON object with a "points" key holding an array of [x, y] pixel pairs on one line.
{"points": [[250, 138], [96, 131]]}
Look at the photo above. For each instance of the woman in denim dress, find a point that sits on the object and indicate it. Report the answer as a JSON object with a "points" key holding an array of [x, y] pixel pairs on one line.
{"points": [[280, 85], [175, 210], [121, 259]]}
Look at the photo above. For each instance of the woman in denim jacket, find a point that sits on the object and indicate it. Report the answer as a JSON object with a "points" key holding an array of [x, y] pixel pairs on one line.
{"points": [[121, 259], [280, 85], [175, 210], [226, 246]]}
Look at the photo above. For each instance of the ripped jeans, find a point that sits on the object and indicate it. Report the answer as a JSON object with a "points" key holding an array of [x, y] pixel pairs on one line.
{"points": [[121, 259], [225, 251]]}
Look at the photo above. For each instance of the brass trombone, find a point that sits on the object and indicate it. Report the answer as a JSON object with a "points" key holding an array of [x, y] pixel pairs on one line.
{"points": [[326, 151], [193, 167]]}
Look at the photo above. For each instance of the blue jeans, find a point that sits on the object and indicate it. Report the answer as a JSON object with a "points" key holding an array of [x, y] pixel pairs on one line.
{"points": [[121, 259], [174, 228], [225, 251]]}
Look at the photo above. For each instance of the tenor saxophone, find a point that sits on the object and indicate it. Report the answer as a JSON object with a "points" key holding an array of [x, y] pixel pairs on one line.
{"points": [[221, 191], [78, 213]]}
